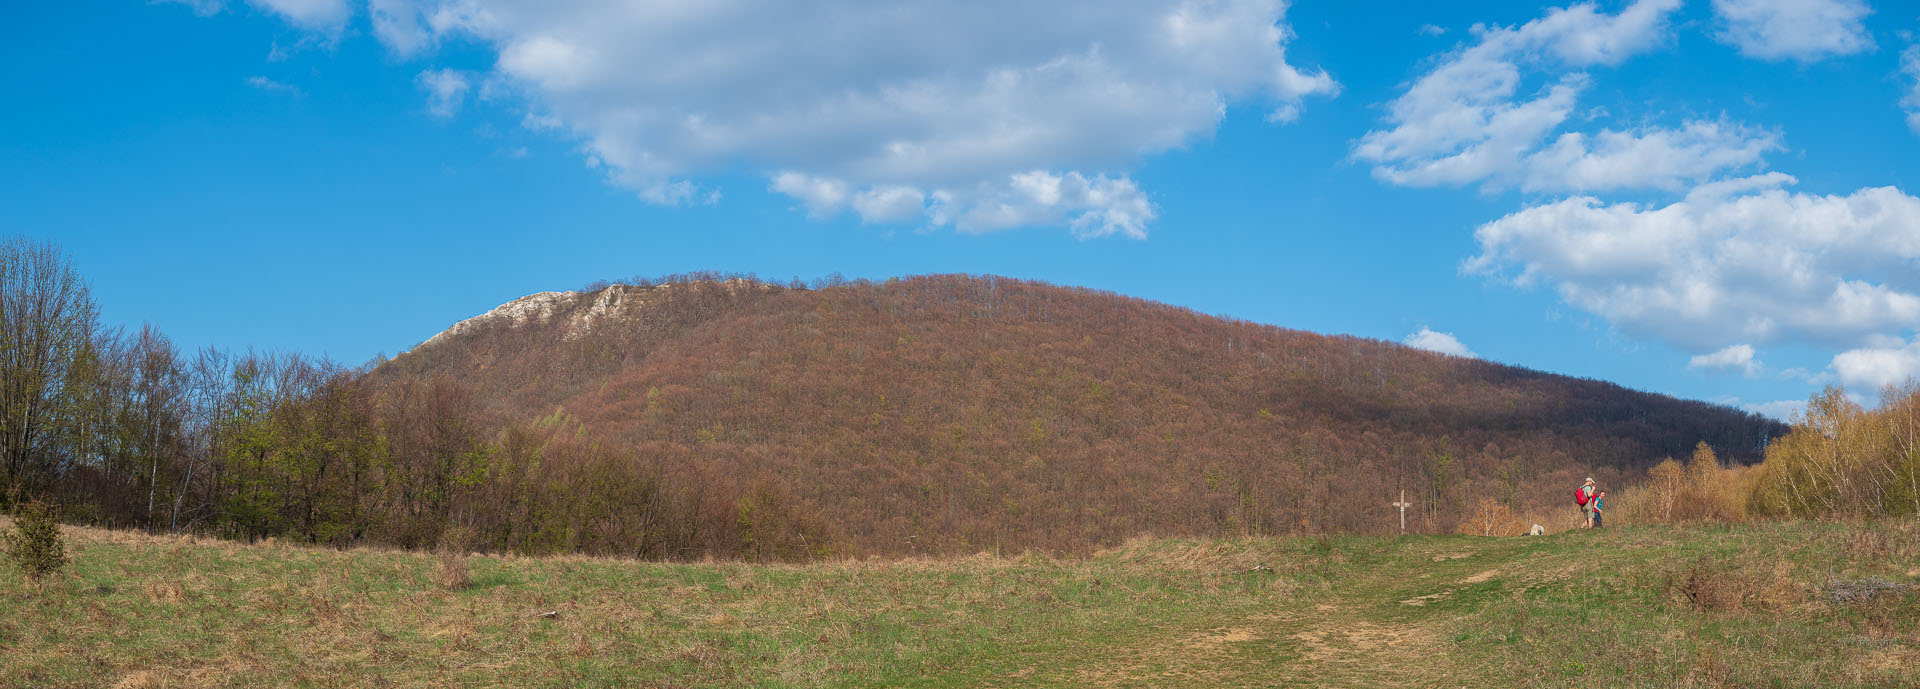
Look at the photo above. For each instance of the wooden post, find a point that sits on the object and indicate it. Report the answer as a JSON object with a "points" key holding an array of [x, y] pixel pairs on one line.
{"points": [[1403, 505]]}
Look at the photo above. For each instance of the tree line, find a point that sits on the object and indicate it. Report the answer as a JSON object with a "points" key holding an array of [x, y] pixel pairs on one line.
{"points": [[125, 430], [1841, 460]]}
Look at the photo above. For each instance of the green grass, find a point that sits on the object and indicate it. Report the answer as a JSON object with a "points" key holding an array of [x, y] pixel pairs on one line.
{"points": [[1659, 607]]}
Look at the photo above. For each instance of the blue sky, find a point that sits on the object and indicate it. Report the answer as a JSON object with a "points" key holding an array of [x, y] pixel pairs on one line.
{"points": [[1714, 200]]}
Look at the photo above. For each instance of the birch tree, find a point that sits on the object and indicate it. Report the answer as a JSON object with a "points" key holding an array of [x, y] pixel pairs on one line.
{"points": [[47, 322]]}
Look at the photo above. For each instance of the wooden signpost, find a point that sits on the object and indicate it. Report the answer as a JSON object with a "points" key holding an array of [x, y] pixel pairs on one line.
{"points": [[1403, 505]]}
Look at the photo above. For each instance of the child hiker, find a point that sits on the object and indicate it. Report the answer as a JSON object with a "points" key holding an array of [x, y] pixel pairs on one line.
{"points": [[1598, 515]]}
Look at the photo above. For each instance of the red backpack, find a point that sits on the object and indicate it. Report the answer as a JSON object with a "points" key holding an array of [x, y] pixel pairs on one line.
{"points": [[1580, 496]]}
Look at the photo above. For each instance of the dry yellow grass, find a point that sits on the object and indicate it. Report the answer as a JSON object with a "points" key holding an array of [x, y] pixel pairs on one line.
{"points": [[1734, 606]]}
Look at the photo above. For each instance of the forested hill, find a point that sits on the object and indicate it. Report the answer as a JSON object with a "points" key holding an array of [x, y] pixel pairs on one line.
{"points": [[955, 413]]}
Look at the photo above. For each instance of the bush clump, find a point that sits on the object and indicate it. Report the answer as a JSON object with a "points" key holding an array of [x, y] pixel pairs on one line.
{"points": [[34, 545], [451, 573]]}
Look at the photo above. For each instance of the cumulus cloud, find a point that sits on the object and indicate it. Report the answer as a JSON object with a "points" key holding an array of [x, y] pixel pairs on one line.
{"points": [[889, 204], [1466, 122], [1735, 358], [1910, 66], [987, 113], [446, 90], [823, 197], [1655, 158], [1091, 206], [1444, 343], [1741, 261], [1872, 368], [1802, 30]]}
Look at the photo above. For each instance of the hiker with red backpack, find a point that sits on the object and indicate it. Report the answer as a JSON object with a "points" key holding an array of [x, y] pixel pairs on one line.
{"points": [[1583, 496]]}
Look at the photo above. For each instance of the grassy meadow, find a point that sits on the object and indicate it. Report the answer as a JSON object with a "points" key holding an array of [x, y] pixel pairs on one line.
{"points": [[1785, 604]]}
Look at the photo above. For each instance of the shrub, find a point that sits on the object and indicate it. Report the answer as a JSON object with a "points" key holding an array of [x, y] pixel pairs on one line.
{"points": [[1709, 586], [451, 572], [1675, 493], [1712, 493], [1721, 585], [34, 544], [775, 526], [1492, 518]]}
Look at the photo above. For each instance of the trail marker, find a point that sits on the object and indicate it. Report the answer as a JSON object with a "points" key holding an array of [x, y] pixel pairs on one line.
{"points": [[1403, 505]]}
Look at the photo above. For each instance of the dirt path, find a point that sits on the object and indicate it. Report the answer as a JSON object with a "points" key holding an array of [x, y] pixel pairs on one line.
{"points": [[1363, 632], [1327, 645]]}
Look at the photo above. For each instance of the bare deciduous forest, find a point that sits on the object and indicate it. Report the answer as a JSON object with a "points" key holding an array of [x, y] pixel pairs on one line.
{"points": [[711, 415]]}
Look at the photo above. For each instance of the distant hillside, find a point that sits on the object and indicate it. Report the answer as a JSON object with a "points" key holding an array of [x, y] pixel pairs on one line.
{"points": [[954, 413]]}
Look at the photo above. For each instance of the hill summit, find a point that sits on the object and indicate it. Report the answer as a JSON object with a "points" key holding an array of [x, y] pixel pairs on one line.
{"points": [[580, 309], [960, 412]]}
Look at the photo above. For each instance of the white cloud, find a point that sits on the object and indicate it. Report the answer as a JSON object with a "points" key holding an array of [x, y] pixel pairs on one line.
{"points": [[957, 101], [1091, 207], [889, 204], [823, 197], [400, 26], [1786, 411], [1432, 30], [1658, 158], [1884, 341], [446, 90], [324, 16], [1444, 343], [1741, 261], [1806, 376], [1735, 358], [272, 86], [1872, 368], [204, 8], [1465, 122], [1910, 66], [319, 16], [1803, 30]]}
